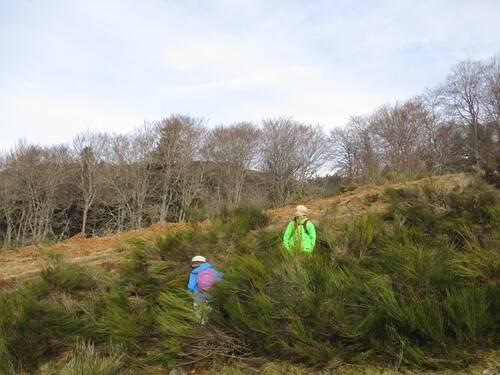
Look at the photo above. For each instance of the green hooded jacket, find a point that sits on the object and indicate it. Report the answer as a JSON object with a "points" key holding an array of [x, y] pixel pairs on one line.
{"points": [[298, 238]]}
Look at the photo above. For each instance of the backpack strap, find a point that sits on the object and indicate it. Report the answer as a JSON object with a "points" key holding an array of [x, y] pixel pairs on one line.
{"points": [[304, 224]]}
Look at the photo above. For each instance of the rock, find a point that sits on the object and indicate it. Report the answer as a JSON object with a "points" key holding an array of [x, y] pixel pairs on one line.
{"points": [[490, 371], [177, 371]]}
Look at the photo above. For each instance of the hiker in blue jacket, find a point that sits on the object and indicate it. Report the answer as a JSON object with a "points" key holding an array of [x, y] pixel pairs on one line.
{"points": [[202, 277]]}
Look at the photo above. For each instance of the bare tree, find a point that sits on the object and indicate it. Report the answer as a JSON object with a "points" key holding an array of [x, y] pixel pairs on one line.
{"points": [[369, 161], [32, 190], [143, 145], [10, 192], [88, 149], [290, 153], [353, 151], [178, 163], [401, 130], [492, 89], [461, 95], [279, 153], [491, 101], [445, 145], [313, 152], [233, 150], [346, 151], [128, 175]]}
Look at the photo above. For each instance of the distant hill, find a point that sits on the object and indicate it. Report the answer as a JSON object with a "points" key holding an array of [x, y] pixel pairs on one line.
{"points": [[18, 263]]}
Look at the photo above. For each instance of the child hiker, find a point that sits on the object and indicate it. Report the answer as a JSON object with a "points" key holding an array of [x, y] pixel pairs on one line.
{"points": [[300, 234], [202, 277]]}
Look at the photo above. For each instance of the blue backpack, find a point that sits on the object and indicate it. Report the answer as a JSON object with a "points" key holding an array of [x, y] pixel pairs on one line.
{"points": [[205, 279]]}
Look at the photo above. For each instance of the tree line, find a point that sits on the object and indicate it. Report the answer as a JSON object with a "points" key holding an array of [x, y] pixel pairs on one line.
{"points": [[179, 168]]}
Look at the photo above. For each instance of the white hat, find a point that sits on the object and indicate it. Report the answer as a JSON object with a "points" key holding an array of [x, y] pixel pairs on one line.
{"points": [[301, 211], [198, 258]]}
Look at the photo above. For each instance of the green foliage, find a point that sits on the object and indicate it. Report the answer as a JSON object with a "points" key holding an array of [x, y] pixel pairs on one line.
{"points": [[196, 213], [6, 361], [183, 245], [177, 324], [468, 309], [242, 219], [173, 245], [121, 320], [479, 264], [68, 278], [416, 266], [136, 273], [35, 328], [399, 196], [362, 233]]}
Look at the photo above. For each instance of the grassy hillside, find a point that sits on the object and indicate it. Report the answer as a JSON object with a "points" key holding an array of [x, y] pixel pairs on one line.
{"points": [[403, 277]]}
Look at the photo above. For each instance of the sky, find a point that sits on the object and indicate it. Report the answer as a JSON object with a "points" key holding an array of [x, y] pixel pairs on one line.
{"points": [[72, 66]]}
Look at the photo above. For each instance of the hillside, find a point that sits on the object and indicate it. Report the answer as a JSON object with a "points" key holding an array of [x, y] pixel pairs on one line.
{"points": [[19, 263], [413, 289]]}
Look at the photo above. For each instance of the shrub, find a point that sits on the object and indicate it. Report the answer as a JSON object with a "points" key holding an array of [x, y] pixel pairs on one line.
{"points": [[122, 320], [87, 359], [37, 328], [242, 219], [6, 360]]}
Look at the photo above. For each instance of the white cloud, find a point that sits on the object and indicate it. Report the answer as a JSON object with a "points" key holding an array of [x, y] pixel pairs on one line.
{"points": [[72, 66], [212, 56], [278, 79], [47, 120]]}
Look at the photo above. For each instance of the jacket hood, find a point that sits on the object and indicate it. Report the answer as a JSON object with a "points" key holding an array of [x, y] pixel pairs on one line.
{"points": [[201, 267]]}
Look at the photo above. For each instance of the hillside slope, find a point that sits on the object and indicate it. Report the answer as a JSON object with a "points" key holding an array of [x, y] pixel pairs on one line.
{"points": [[19, 263]]}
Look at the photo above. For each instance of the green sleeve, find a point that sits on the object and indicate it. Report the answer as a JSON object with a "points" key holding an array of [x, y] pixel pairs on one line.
{"points": [[312, 233], [288, 235]]}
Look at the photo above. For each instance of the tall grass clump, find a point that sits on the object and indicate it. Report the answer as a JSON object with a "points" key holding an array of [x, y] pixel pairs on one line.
{"points": [[184, 341], [6, 360], [446, 252], [177, 323], [45, 316], [362, 234], [87, 359], [68, 278], [136, 274], [174, 245], [179, 247], [239, 220], [278, 302], [469, 317], [37, 324], [122, 319]]}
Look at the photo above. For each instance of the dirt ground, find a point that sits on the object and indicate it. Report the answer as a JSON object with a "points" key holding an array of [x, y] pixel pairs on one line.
{"points": [[19, 263]]}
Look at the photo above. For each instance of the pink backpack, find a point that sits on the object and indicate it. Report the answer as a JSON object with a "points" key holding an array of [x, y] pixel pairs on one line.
{"points": [[205, 279]]}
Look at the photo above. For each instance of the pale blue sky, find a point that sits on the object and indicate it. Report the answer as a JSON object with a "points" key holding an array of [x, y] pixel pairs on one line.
{"points": [[72, 66]]}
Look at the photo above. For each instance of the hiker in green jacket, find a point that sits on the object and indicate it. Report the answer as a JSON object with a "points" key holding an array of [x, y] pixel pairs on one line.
{"points": [[300, 233]]}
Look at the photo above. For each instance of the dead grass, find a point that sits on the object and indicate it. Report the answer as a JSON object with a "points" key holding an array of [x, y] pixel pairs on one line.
{"points": [[19, 263]]}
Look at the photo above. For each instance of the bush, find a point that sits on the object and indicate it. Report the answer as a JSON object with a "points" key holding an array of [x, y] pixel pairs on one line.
{"points": [[87, 359], [36, 328]]}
